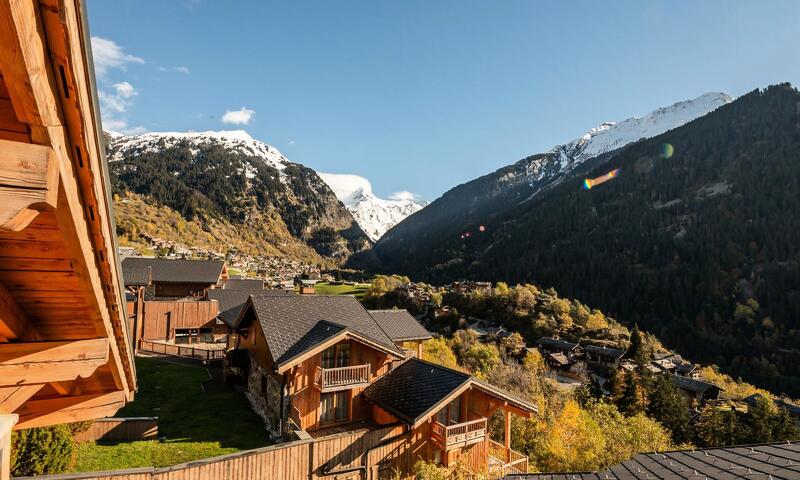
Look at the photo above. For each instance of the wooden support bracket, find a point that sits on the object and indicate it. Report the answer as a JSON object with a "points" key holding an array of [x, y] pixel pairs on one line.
{"points": [[28, 363], [28, 183]]}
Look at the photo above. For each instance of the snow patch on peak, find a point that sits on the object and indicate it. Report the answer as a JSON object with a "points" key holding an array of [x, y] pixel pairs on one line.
{"points": [[236, 140], [374, 215], [608, 136]]}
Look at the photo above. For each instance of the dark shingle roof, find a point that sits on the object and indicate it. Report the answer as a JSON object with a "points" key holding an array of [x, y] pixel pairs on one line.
{"points": [[231, 302], [400, 325], [761, 462], [244, 284], [413, 388], [556, 343], [136, 276], [287, 319], [178, 271], [692, 384], [605, 351]]}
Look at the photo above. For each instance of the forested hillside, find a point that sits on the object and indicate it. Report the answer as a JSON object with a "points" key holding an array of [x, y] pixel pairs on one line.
{"points": [[697, 239], [228, 181]]}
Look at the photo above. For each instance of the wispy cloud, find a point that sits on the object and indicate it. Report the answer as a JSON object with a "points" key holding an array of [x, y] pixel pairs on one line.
{"points": [[119, 100], [107, 55], [404, 195], [115, 98], [291, 142], [183, 70], [243, 116]]}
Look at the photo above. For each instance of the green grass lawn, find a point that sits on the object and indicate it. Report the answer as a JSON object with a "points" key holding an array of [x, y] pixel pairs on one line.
{"points": [[323, 288], [196, 424]]}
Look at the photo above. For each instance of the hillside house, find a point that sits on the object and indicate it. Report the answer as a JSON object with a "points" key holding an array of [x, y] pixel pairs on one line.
{"points": [[65, 353], [697, 392], [319, 364], [175, 278], [403, 329], [603, 356]]}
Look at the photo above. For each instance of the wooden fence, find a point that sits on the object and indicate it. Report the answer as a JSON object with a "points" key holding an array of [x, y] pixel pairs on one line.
{"points": [[344, 456], [161, 318], [114, 429], [181, 350]]}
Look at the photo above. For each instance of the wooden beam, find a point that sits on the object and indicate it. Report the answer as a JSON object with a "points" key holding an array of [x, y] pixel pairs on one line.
{"points": [[44, 362], [28, 183], [76, 408], [13, 323], [507, 431], [12, 397]]}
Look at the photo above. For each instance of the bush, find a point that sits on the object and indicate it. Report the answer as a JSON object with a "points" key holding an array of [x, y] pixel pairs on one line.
{"points": [[41, 451]]}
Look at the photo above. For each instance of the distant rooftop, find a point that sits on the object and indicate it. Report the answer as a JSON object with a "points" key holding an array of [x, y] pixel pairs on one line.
{"points": [[178, 271]]}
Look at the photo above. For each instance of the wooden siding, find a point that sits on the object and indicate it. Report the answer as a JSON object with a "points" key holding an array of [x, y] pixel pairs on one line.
{"points": [[306, 397], [134, 428], [160, 319], [298, 460]]}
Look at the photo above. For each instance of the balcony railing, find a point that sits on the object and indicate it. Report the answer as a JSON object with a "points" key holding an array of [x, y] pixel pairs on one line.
{"points": [[460, 434], [342, 378], [505, 461]]}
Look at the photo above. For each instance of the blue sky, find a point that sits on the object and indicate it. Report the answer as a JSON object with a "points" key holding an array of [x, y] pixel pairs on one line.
{"points": [[422, 95]]}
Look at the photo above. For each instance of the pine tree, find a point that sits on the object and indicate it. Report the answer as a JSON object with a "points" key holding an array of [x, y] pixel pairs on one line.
{"points": [[669, 407], [633, 397]]}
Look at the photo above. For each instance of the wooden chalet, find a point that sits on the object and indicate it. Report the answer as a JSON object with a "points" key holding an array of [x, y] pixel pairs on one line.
{"points": [[603, 356], [316, 364], [176, 278], [403, 329], [65, 350], [696, 391]]}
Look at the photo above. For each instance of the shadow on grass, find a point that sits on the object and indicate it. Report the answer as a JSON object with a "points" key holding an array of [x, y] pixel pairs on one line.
{"points": [[186, 413]]}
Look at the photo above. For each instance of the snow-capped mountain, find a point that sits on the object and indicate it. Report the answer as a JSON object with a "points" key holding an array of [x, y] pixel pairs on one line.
{"points": [[610, 136], [374, 215], [469, 205], [234, 140], [229, 176]]}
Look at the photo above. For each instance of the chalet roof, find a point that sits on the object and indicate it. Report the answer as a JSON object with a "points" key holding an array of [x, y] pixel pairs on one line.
{"points": [[244, 284], [178, 271], [557, 343], [559, 358], [400, 325], [692, 384], [762, 462], [231, 302], [415, 390], [288, 320], [134, 276], [614, 353]]}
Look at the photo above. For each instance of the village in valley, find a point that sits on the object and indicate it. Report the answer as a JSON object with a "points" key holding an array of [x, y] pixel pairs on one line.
{"points": [[151, 359]]}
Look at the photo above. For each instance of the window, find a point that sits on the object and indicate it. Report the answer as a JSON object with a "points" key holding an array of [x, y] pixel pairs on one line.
{"points": [[437, 456], [334, 406], [336, 356], [451, 414]]}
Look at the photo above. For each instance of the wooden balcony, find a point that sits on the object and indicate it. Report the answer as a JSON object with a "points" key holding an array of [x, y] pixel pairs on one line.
{"points": [[342, 378], [505, 461], [460, 434]]}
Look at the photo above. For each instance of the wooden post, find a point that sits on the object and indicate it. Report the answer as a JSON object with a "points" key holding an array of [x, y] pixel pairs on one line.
{"points": [[508, 434], [7, 422]]}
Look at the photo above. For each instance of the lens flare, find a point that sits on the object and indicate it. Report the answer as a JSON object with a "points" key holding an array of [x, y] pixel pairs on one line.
{"points": [[667, 150], [482, 228], [590, 183]]}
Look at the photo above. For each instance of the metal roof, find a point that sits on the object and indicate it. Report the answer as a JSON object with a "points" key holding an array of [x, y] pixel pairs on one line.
{"points": [[762, 462]]}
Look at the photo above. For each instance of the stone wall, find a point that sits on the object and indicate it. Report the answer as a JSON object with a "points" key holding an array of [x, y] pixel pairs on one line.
{"points": [[264, 394]]}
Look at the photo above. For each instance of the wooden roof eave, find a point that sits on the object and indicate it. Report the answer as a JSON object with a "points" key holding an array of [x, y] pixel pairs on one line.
{"points": [[61, 123]]}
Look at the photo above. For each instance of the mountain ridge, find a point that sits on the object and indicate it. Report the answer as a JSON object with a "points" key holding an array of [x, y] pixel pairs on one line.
{"points": [[229, 177]]}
